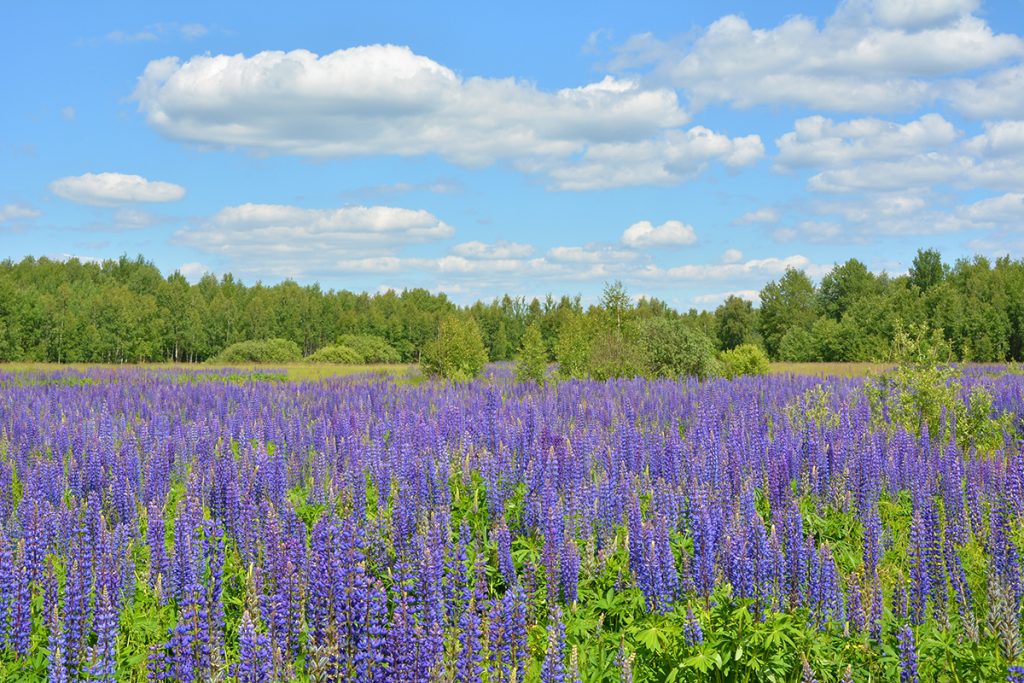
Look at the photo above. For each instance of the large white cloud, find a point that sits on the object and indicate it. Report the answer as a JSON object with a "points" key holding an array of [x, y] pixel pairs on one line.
{"points": [[668, 234], [674, 157], [753, 268], [1001, 138], [818, 141], [107, 189], [868, 57], [385, 99], [917, 13], [995, 95], [293, 241]]}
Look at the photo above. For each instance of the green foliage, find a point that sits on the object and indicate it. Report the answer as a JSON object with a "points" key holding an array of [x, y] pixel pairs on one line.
{"points": [[371, 348], [926, 392], [339, 355], [745, 359], [532, 362], [674, 348], [457, 353], [572, 350], [927, 270], [123, 310], [616, 355], [261, 351], [735, 322], [798, 345], [787, 304]]}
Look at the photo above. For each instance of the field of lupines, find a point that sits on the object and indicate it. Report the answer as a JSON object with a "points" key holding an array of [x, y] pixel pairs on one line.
{"points": [[193, 526]]}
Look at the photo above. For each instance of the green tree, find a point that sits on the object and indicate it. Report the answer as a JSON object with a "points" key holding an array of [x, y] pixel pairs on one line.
{"points": [[786, 304], [735, 321], [572, 350], [674, 348], [499, 346], [927, 269], [844, 285], [532, 361], [616, 304], [616, 355], [457, 353], [798, 345]]}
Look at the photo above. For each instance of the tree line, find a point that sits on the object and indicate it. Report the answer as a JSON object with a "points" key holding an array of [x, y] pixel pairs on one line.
{"points": [[125, 310]]}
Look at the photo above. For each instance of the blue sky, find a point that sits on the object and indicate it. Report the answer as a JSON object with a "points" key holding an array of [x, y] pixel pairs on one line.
{"points": [[690, 151]]}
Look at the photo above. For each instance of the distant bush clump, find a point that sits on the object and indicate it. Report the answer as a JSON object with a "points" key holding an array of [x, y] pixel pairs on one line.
{"points": [[532, 362], [675, 348], [745, 359], [457, 353], [339, 355], [261, 351], [371, 348]]}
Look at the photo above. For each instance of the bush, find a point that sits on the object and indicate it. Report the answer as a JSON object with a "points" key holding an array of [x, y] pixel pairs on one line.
{"points": [[674, 348], [339, 355], [261, 351], [745, 359], [457, 353], [615, 355], [532, 362], [572, 349], [798, 345], [371, 348]]}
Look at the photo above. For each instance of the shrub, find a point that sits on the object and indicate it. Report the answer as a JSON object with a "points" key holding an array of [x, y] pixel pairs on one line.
{"points": [[745, 359], [337, 354], [457, 353], [371, 348], [261, 351], [532, 362], [674, 348], [798, 345], [614, 355], [572, 349]]}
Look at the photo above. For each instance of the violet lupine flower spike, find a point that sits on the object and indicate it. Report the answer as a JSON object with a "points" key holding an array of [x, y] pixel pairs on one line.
{"points": [[553, 668], [908, 655]]}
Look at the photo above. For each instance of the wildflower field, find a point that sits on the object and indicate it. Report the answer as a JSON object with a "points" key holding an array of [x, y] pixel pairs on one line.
{"points": [[232, 525]]}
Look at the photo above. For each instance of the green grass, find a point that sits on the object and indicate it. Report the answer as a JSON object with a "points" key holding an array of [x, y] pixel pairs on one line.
{"points": [[299, 372], [831, 369]]}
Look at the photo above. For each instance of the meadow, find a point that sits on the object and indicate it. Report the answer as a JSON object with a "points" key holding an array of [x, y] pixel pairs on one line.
{"points": [[184, 524]]}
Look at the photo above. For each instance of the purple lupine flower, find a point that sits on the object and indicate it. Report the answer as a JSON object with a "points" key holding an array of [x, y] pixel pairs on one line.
{"points": [[908, 655], [569, 571], [553, 668], [872, 541], [503, 540], [625, 662], [56, 671], [1015, 674], [106, 624], [254, 664], [21, 609], [692, 632], [807, 673]]}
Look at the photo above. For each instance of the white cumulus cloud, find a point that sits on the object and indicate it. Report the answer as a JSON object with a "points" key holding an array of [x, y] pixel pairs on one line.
{"points": [[16, 212], [765, 214], [732, 256], [291, 241], [869, 57], [668, 234], [497, 250], [105, 189], [817, 141], [385, 99]]}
